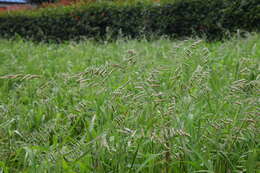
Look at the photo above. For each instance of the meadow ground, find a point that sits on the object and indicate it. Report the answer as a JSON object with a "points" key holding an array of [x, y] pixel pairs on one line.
{"points": [[130, 106]]}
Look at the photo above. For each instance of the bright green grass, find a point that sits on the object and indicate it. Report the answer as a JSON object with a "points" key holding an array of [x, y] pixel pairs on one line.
{"points": [[130, 106]]}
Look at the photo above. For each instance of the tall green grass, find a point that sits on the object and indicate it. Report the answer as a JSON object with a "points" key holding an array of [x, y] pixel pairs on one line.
{"points": [[130, 106]]}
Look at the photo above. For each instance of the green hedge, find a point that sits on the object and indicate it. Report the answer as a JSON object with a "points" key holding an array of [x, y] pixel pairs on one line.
{"points": [[211, 18], [42, 1]]}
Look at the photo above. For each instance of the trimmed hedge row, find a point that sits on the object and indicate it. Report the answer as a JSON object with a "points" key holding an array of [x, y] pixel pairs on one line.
{"points": [[42, 1], [212, 18]]}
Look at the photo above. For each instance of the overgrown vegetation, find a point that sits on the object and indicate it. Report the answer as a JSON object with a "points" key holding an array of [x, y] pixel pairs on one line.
{"points": [[130, 106], [109, 20]]}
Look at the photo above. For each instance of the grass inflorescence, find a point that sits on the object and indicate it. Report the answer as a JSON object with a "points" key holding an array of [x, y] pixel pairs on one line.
{"points": [[130, 106]]}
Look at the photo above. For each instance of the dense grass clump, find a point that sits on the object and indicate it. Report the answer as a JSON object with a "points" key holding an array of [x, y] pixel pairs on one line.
{"points": [[130, 106]]}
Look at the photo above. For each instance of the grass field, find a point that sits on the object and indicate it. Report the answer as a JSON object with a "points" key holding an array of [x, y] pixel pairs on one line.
{"points": [[130, 106]]}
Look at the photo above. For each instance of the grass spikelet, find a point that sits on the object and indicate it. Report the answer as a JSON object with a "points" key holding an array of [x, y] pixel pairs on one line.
{"points": [[11, 76]]}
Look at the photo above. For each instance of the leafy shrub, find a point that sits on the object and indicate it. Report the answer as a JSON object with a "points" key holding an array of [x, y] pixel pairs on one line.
{"points": [[42, 1], [212, 18]]}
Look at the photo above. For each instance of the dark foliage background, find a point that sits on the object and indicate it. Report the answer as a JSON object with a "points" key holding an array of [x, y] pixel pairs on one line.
{"points": [[213, 19]]}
